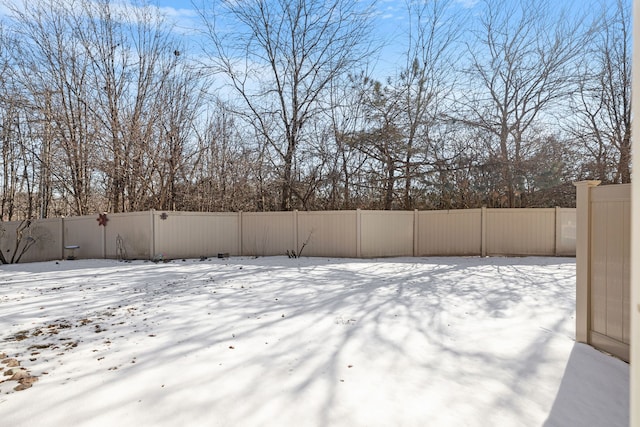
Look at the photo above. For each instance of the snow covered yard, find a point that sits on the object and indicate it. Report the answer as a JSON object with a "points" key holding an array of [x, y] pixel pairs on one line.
{"points": [[305, 342]]}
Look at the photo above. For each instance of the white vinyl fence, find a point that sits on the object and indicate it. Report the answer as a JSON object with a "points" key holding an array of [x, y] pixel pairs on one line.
{"points": [[345, 234]]}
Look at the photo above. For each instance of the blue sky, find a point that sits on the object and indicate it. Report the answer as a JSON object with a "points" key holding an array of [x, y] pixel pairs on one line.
{"points": [[391, 23], [388, 10], [391, 18]]}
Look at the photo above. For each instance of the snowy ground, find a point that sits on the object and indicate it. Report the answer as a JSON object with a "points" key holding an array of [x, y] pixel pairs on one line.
{"points": [[307, 342]]}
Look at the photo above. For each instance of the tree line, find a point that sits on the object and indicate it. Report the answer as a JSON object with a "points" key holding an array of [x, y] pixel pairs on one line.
{"points": [[280, 105]]}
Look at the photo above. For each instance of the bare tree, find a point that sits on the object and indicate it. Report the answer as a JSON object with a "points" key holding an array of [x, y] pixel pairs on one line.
{"points": [[52, 69], [522, 64], [404, 114], [381, 139], [10, 150], [425, 83], [13, 163], [7, 119], [345, 160], [603, 99], [223, 165], [180, 101], [101, 107], [131, 53], [281, 59]]}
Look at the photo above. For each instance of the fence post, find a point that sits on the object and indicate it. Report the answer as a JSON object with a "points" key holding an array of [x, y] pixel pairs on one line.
{"points": [[558, 231], [483, 232], [416, 234], [62, 244], [295, 230], [152, 236], [104, 240], [240, 233], [358, 233], [583, 258]]}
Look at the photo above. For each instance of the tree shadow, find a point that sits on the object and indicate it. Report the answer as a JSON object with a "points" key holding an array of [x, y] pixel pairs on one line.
{"points": [[311, 341]]}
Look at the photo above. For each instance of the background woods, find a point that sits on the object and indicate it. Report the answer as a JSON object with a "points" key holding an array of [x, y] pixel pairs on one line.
{"points": [[280, 105]]}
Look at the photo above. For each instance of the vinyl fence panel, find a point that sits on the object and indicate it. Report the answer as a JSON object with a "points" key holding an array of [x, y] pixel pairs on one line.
{"points": [[360, 234], [386, 233], [610, 285], [128, 236], [521, 232], [43, 236], [85, 232], [329, 234], [195, 234], [268, 233], [565, 231], [453, 232]]}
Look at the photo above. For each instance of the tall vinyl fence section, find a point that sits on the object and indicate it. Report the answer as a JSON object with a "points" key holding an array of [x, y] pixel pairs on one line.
{"points": [[345, 234], [603, 267]]}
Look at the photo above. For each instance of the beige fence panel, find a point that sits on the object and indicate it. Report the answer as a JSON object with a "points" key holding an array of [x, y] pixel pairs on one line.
{"points": [[565, 231], [49, 241], [386, 233], [610, 269], [330, 234], [194, 234], [520, 232], [85, 232], [46, 235], [367, 234], [128, 235], [454, 232], [268, 233]]}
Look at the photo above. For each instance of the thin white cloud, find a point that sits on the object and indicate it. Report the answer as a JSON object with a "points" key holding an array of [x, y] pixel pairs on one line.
{"points": [[178, 13], [182, 20], [467, 4]]}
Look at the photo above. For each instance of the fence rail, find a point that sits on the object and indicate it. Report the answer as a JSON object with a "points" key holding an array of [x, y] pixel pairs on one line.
{"points": [[347, 234]]}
